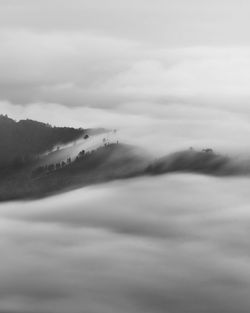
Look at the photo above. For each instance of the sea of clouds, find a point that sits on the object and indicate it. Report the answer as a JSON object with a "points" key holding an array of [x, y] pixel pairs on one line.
{"points": [[167, 76], [178, 97], [174, 243]]}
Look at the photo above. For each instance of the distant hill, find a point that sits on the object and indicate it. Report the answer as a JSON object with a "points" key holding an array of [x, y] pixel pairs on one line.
{"points": [[20, 141], [206, 162], [91, 157], [109, 162]]}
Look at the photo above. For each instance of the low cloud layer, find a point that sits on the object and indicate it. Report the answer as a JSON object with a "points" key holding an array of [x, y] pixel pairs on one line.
{"points": [[175, 72], [93, 70], [167, 75], [185, 96], [113, 248]]}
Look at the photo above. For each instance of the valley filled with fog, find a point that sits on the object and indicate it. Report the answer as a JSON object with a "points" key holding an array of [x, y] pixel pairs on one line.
{"points": [[171, 243], [124, 156]]}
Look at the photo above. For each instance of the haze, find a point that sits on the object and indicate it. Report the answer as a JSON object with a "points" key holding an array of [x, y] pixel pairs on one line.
{"points": [[114, 248], [174, 70], [168, 75]]}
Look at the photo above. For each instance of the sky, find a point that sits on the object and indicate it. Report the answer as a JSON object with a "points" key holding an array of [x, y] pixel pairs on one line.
{"points": [[176, 70]]}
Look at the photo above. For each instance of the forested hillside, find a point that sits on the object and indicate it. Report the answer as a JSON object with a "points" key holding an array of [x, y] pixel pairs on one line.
{"points": [[22, 140]]}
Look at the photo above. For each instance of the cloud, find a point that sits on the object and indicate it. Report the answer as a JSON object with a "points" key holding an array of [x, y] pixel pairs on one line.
{"points": [[165, 23], [59, 67], [113, 248], [86, 69], [169, 75], [157, 128], [173, 96]]}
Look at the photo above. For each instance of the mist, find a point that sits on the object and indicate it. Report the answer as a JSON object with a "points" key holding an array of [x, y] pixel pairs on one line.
{"points": [[171, 78], [113, 248]]}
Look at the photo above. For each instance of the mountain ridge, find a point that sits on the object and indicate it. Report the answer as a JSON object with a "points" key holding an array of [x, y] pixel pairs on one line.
{"points": [[22, 140], [98, 157]]}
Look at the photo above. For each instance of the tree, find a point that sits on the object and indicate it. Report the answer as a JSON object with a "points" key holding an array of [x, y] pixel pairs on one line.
{"points": [[208, 150], [51, 167], [81, 153]]}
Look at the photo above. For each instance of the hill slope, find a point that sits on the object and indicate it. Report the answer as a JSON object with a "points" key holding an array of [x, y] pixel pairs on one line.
{"points": [[86, 157], [206, 162], [20, 141], [113, 161]]}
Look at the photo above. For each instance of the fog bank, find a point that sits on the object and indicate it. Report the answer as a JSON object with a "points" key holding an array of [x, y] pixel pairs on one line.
{"points": [[113, 248]]}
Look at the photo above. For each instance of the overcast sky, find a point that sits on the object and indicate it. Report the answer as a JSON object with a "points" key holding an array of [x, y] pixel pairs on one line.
{"points": [[175, 67]]}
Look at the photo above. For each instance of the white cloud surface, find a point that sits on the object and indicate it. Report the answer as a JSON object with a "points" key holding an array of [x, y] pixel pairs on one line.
{"points": [[168, 75], [113, 248], [192, 95]]}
